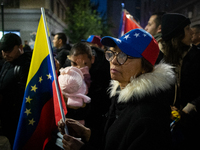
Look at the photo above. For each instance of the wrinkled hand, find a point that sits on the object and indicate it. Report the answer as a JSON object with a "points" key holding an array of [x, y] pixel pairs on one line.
{"points": [[75, 129], [71, 143]]}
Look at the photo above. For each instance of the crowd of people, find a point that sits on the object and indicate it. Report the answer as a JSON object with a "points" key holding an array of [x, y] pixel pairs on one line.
{"points": [[119, 92]]}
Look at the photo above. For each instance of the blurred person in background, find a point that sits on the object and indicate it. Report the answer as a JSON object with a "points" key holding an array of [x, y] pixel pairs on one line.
{"points": [[26, 47], [62, 49], [177, 38], [154, 28], [196, 35], [94, 41], [13, 78]]}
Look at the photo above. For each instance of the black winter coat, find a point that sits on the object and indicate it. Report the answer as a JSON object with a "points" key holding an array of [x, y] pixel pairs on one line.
{"points": [[61, 55], [139, 125], [190, 93], [139, 115], [13, 79]]}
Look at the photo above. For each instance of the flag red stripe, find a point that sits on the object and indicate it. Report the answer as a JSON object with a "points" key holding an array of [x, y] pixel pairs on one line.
{"points": [[129, 25], [44, 129], [57, 111]]}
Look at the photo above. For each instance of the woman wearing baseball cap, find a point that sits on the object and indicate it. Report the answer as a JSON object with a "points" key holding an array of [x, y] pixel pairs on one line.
{"points": [[139, 113], [177, 37]]}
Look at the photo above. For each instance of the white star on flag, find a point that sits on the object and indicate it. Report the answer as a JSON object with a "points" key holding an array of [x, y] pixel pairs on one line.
{"points": [[136, 34], [144, 35], [49, 76], [126, 37], [34, 88], [31, 122]]}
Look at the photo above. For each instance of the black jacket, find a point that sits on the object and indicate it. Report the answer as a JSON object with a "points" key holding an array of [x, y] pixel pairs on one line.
{"points": [[100, 101], [61, 55], [190, 93], [190, 80], [139, 115], [140, 125], [13, 79]]}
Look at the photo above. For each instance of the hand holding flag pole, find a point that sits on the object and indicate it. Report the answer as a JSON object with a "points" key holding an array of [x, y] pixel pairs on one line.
{"points": [[43, 105], [53, 69]]}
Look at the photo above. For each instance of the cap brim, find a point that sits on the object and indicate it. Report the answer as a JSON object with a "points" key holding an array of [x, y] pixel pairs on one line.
{"points": [[84, 41], [6, 48], [108, 41]]}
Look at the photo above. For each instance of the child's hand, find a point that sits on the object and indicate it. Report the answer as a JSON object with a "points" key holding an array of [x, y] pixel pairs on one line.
{"points": [[80, 63]]}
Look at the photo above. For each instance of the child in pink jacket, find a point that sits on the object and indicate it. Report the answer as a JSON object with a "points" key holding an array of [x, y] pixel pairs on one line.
{"points": [[73, 86]]}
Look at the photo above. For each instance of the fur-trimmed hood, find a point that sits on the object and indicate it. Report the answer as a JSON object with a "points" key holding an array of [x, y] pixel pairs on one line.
{"points": [[160, 79]]}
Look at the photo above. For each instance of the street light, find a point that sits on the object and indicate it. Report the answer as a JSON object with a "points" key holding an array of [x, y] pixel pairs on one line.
{"points": [[2, 17]]}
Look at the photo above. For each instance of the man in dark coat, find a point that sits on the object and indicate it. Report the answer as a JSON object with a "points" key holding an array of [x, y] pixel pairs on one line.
{"points": [[13, 78], [62, 49], [154, 28]]}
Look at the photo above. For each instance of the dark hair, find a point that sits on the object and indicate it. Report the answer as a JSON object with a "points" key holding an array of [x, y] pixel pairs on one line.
{"points": [[80, 49], [146, 65], [63, 37], [174, 49], [158, 19], [196, 26]]}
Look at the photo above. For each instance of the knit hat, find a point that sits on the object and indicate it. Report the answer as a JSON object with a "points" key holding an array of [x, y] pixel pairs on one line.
{"points": [[73, 87], [8, 41], [173, 24], [136, 43], [93, 39]]}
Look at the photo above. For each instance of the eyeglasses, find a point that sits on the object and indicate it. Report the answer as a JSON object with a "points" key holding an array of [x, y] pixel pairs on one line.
{"points": [[121, 57]]}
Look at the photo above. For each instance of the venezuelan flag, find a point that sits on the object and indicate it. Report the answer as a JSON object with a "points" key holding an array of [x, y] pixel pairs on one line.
{"points": [[40, 110]]}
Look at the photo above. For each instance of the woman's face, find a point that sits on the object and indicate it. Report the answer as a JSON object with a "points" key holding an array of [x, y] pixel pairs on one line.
{"points": [[187, 40], [123, 73]]}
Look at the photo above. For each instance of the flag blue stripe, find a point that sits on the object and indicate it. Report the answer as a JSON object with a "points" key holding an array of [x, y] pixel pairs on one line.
{"points": [[39, 98]]}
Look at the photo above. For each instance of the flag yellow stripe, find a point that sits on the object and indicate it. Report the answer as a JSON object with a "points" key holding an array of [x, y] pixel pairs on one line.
{"points": [[40, 50]]}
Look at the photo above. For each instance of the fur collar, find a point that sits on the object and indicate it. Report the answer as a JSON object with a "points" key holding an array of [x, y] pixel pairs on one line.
{"points": [[160, 79]]}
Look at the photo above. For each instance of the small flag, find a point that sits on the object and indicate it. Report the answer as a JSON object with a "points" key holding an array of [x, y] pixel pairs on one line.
{"points": [[40, 110], [127, 23]]}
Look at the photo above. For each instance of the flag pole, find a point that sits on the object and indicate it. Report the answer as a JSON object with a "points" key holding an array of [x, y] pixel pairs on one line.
{"points": [[53, 69]]}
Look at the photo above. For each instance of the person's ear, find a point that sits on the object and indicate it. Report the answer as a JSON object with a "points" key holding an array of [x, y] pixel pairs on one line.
{"points": [[96, 45], [60, 41], [93, 59], [21, 49], [159, 29], [3, 54]]}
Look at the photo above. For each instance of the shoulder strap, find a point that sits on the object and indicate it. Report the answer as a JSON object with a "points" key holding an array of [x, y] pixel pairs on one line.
{"points": [[16, 71]]}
